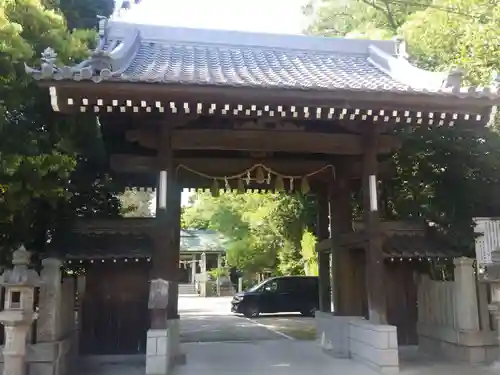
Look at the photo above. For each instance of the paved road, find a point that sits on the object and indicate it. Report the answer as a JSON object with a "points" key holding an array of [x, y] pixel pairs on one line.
{"points": [[293, 325], [210, 320], [219, 343]]}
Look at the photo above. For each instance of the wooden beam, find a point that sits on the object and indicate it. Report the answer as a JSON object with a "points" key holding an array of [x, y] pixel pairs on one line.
{"points": [[267, 141], [341, 98], [127, 163]]}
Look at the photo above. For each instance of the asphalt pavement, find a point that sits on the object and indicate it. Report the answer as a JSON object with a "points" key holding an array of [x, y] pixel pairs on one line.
{"points": [[217, 342], [210, 320]]}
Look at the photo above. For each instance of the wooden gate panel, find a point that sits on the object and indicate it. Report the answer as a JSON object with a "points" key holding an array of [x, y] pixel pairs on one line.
{"points": [[115, 316], [402, 310]]}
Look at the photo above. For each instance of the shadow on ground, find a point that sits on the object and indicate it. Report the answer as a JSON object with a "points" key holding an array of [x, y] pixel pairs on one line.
{"points": [[220, 328]]}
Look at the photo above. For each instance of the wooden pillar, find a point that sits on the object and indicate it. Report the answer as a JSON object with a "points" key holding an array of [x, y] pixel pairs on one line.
{"points": [[323, 232], [163, 299], [377, 304], [348, 289]]}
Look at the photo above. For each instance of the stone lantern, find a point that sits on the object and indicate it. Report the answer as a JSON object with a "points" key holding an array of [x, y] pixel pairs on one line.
{"points": [[491, 275], [18, 315]]}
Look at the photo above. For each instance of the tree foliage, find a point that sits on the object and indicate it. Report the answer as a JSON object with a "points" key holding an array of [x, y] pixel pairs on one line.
{"points": [[445, 176], [264, 231], [52, 168], [377, 19], [136, 203]]}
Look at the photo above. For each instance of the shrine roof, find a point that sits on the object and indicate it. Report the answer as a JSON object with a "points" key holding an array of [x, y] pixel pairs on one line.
{"points": [[109, 244], [129, 52], [409, 240], [416, 246]]}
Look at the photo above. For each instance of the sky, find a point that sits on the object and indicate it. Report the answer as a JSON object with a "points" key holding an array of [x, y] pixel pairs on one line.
{"points": [[268, 16]]}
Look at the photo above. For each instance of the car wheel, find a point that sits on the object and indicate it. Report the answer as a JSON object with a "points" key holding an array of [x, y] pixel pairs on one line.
{"points": [[310, 312], [251, 312]]}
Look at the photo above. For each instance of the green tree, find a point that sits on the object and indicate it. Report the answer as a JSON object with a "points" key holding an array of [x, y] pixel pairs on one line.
{"points": [[445, 176], [461, 33], [309, 255], [136, 203], [264, 230], [377, 19], [51, 167]]}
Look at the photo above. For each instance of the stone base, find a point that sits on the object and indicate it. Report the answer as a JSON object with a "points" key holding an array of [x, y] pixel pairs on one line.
{"points": [[374, 345], [353, 337], [49, 358], [471, 346], [482, 354], [163, 349], [332, 333]]}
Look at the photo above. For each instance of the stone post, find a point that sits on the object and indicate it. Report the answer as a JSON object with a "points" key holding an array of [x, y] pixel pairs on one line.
{"points": [[193, 269], [49, 312], [219, 268], [18, 315], [466, 295], [240, 284], [492, 277], [204, 276]]}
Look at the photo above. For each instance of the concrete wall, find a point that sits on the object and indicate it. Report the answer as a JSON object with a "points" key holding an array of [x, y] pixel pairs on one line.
{"points": [[376, 346]]}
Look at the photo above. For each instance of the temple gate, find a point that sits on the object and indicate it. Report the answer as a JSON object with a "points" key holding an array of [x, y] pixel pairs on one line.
{"points": [[188, 108]]}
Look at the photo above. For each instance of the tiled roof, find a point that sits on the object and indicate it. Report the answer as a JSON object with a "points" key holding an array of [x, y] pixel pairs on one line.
{"points": [[199, 240], [255, 67], [168, 55], [410, 240], [415, 246], [119, 245]]}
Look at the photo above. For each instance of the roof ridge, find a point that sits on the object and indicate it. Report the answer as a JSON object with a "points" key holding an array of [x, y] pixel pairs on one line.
{"points": [[156, 33], [256, 47]]}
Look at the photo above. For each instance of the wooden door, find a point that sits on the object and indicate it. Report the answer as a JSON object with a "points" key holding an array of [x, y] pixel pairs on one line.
{"points": [[115, 316], [402, 310]]}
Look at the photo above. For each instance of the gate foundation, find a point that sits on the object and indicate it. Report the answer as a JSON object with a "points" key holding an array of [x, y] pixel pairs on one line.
{"points": [[163, 350], [374, 345]]}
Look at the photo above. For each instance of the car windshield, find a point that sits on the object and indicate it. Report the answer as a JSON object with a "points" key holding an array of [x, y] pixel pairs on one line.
{"points": [[258, 286]]}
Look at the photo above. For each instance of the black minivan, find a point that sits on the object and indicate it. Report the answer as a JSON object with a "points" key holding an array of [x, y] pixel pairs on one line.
{"points": [[279, 294]]}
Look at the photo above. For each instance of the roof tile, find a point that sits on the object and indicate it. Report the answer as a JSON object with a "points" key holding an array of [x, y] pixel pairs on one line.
{"points": [[253, 66]]}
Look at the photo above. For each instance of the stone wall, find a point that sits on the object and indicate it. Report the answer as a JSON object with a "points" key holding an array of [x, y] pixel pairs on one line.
{"points": [[453, 320], [473, 347], [56, 347], [49, 358], [374, 345], [333, 333], [67, 308], [353, 337]]}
